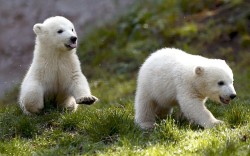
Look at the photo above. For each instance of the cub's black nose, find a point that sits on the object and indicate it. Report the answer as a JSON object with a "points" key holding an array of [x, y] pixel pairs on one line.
{"points": [[232, 96], [73, 39]]}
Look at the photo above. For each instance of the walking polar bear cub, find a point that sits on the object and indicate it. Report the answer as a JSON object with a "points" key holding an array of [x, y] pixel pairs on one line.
{"points": [[55, 73], [171, 76]]}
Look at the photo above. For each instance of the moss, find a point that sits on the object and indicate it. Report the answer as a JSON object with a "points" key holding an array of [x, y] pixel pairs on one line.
{"points": [[245, 41]]}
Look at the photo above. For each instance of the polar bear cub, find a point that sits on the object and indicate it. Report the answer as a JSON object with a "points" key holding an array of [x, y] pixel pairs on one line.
{"points": [[172, 77], [55, 73]]}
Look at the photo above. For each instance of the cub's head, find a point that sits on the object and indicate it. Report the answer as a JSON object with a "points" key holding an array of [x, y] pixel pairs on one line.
{"points": [[57, 32], [215, 81]]}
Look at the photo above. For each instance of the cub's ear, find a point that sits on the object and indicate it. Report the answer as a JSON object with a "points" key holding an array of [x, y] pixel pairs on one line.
{"points": [[38, 28], [199, 70]]}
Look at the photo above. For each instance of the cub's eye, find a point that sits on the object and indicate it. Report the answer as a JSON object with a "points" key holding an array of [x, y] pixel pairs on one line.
{"points": [[221, 83], [60, 31], [72, 30]]}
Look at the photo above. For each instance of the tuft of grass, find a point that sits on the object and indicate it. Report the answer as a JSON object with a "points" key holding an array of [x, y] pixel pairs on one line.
{"points": [[26, 127], [237, 114], [168, 131], [108, 125]]}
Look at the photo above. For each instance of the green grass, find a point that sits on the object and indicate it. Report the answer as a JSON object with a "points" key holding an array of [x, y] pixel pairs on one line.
{"points": [[111, 56]]}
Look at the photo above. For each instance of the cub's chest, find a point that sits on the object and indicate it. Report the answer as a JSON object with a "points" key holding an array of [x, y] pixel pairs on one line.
{"points": [[56, 71]]}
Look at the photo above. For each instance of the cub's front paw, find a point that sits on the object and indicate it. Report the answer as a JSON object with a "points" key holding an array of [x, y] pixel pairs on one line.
{"points": [[218, 122], [214, 124], [88, 100]]}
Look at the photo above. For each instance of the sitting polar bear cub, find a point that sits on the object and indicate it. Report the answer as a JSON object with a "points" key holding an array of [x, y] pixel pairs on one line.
{"points": [[171, 76], [55, 72]]}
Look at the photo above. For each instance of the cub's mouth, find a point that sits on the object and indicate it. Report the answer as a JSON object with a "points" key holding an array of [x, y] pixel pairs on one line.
{"points": [[225, 101], [70, 45]]}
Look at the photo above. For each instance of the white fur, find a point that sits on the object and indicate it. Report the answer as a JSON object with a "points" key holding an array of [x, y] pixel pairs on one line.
{"points": [[171, 76], [55, 71]]}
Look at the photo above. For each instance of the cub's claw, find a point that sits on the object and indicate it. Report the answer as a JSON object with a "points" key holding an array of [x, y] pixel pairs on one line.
{"points": [[88, 100]]}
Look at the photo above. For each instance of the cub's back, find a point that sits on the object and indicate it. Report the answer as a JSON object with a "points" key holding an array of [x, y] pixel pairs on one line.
{"points": [[166, 60]]}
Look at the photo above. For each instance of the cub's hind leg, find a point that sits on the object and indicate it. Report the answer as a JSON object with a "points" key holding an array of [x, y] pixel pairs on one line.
{"points": [[31, 98]]}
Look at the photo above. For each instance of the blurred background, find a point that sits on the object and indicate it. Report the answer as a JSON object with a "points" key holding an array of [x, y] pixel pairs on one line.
{"points": [[116, 36], [17, 18]]}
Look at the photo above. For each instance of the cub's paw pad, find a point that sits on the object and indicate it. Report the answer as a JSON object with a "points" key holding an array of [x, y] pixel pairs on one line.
{"points": [[88, 100]]}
